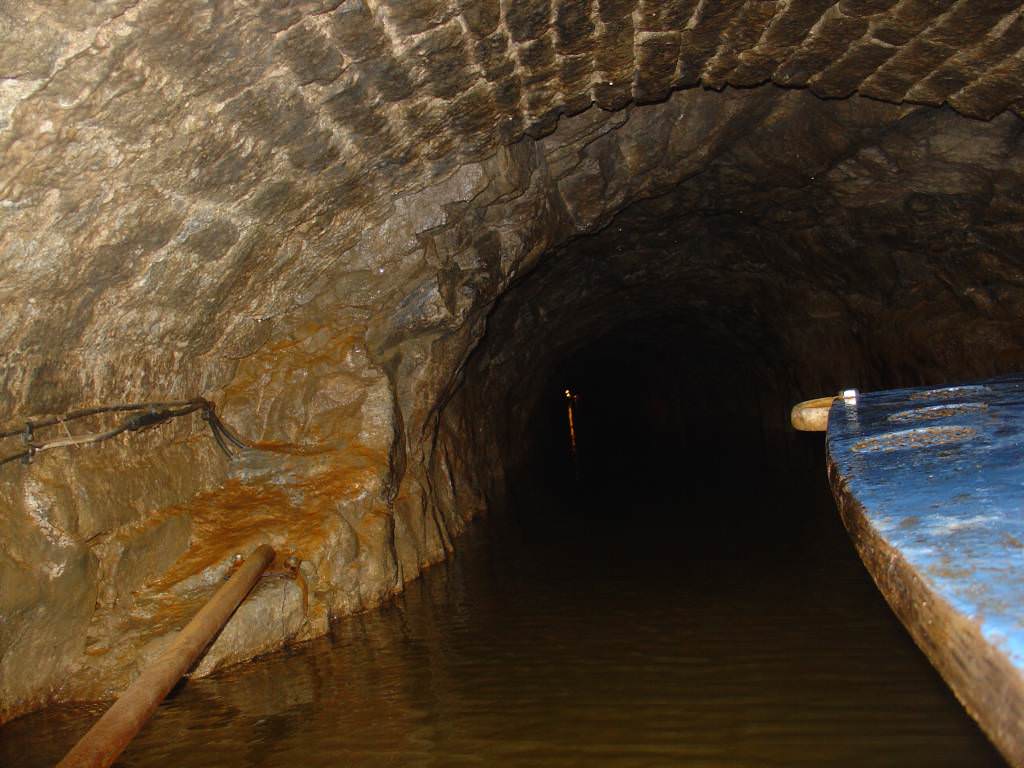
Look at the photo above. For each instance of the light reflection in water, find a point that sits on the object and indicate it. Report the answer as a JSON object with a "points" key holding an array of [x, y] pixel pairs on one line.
{"points": [[570, 400]]}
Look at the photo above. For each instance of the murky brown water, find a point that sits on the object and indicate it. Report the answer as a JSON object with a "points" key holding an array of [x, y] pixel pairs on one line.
{"points": [[647, 641]]}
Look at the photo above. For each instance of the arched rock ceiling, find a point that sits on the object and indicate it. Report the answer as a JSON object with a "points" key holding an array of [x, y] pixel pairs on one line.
{"points": [[177, 176]]}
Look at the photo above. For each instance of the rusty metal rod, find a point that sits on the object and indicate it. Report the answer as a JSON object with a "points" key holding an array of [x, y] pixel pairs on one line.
{"points": [[126, 716]]}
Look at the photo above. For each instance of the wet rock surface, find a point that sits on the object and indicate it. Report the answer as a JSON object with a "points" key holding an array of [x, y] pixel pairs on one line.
{"points": [[313, 213]]}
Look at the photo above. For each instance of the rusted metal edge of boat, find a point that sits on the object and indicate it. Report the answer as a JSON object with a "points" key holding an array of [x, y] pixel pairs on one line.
{"points": [[930, 486]]}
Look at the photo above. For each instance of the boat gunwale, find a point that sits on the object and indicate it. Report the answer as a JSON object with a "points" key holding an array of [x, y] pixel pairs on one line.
{"points": [[981, 676]]}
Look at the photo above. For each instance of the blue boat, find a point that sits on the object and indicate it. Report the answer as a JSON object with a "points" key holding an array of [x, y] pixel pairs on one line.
{"points": [[930, 486]]}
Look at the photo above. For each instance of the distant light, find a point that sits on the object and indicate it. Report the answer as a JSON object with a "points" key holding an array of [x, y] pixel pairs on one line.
{"points": [[572, 423]]}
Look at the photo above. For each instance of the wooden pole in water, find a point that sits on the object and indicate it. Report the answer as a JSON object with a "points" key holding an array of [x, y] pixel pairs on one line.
{"points": [[126, 716]]}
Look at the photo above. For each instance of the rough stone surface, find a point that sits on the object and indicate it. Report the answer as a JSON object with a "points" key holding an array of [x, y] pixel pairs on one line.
{"points": [[313, 212], [273, 613]]}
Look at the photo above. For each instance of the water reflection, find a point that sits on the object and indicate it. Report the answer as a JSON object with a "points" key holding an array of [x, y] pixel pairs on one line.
{"points": [[570, 642]]}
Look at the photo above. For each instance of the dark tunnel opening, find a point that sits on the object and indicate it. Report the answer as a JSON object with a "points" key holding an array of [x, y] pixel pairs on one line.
{"points": [[661, 449], [649, 414], [665, 440]]}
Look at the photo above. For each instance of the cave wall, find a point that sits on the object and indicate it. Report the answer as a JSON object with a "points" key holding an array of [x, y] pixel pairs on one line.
{"points": [[306, 211]]}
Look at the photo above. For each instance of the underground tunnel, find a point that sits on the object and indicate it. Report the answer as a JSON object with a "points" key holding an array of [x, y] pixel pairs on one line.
{"points": [[487, 317]]}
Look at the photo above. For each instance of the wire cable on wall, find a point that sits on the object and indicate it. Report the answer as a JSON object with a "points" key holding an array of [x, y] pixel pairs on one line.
{"points": [[143, 416]]}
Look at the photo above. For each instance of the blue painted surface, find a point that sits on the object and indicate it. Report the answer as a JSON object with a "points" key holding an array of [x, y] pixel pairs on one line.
{"points": [[940, 474]]}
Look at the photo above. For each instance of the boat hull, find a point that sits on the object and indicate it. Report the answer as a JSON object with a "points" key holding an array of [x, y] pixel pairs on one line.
{"points": [[930, 485]]}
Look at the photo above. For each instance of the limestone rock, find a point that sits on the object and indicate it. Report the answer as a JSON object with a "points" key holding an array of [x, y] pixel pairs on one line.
{"points": [[273, 613]]}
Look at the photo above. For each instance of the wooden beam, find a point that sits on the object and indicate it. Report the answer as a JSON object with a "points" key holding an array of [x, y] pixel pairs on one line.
{"points": [[108, 738]]}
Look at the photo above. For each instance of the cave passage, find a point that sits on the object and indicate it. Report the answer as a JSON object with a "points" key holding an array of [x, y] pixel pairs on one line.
{"points": [[560, 352], [383, 238]]}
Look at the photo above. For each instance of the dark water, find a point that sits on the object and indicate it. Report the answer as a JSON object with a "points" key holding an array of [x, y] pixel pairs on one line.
{"points": [[741, 632]]}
